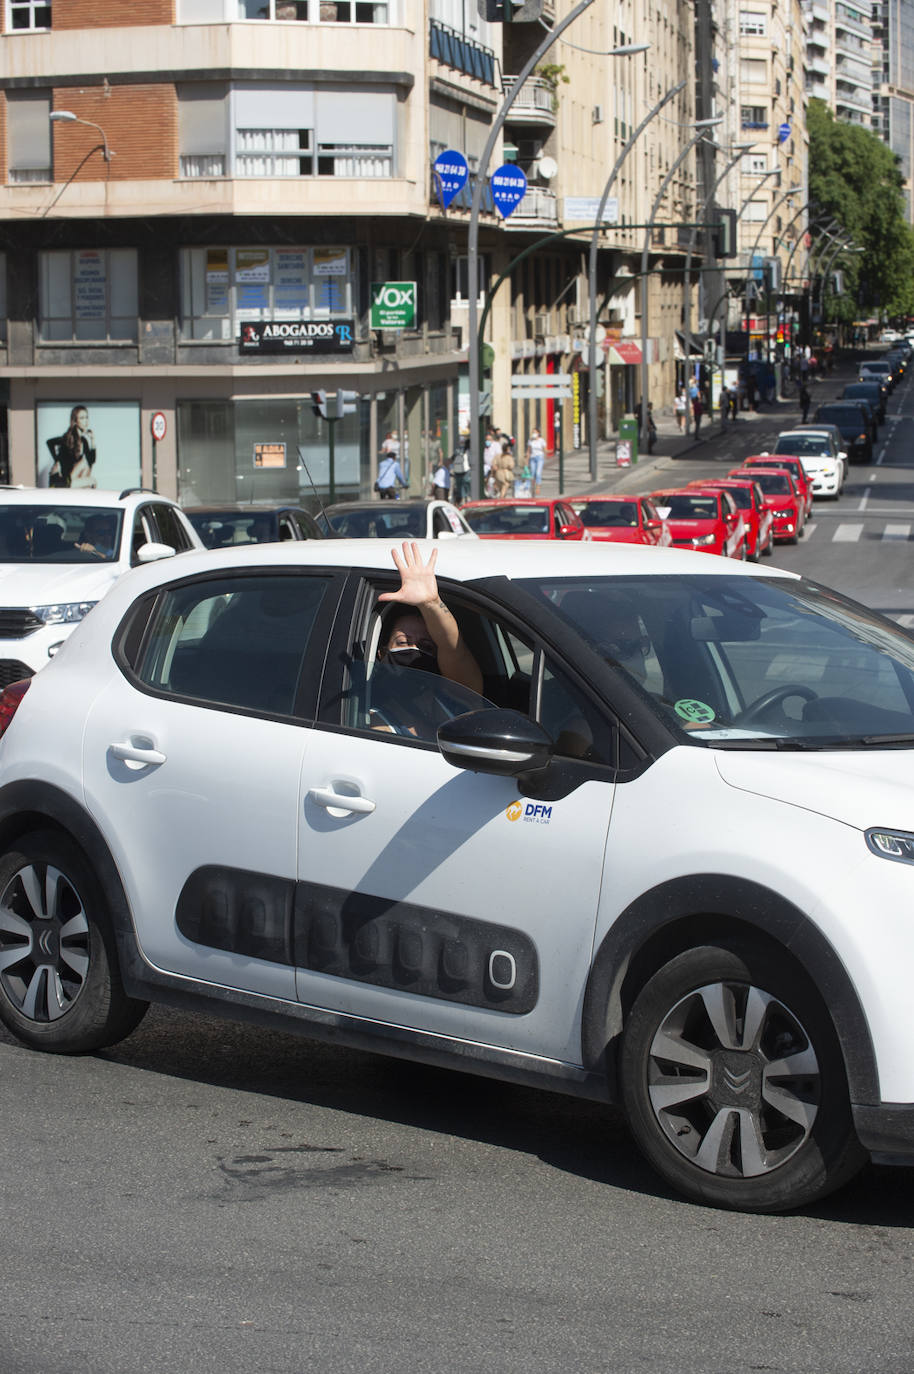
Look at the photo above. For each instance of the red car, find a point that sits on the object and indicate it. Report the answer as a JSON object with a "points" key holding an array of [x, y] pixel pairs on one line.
{"points": [[703, 518], [623, 519], [781, 498], [525, 518], [794, 466], [756, 515]]}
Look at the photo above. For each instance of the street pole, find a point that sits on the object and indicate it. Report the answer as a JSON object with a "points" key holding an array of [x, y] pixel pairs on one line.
{"points": [[474, 359], [592, 278], [696, 138]]}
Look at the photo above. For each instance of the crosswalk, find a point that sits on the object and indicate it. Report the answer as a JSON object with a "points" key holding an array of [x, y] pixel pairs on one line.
{"points": [[851, 531]]}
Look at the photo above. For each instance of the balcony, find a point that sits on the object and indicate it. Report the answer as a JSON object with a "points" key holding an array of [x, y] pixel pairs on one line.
{"points": [[538, 208], [453, 50], [535, 102]]}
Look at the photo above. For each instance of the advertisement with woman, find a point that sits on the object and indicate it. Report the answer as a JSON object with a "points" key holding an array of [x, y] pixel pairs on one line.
{"points": [[82, 444]]}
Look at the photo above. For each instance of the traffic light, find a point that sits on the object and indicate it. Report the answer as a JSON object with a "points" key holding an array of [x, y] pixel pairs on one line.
{"points": [[724, 235], [510, 11], [319, 404], [346, 403]]}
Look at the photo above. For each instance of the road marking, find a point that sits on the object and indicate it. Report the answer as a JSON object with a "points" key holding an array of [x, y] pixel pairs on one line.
{"points": [[897, 532], [906, 621], [847, 534], [863, 500], [810, 527]]}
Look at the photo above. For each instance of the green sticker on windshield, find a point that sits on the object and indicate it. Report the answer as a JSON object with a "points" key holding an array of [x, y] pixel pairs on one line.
{"points": [[697, 712]]}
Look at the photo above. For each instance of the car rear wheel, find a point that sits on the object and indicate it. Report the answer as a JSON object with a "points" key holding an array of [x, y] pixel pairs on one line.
{"points": [[60, 987], [733, 1082]]}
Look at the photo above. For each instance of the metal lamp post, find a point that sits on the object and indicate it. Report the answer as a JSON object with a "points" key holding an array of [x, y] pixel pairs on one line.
{"points": [[592, 277], [68, 117], [702, 126]]}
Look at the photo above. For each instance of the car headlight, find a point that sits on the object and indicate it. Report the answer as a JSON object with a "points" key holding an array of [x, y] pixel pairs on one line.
{"points": [[782, 514], [63, 613], [701, 539], [891, 844]]}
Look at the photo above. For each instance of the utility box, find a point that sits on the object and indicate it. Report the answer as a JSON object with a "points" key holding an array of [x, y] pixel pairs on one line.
{"points": [[627, 442]]}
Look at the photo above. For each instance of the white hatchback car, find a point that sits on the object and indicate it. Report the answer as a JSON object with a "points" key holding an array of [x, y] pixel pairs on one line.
{"points": [[819, 455], [61, 551], [378, 519], [665, 859]]}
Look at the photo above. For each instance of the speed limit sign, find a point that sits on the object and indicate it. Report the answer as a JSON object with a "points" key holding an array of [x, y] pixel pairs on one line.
{"points": [[159, 426]]}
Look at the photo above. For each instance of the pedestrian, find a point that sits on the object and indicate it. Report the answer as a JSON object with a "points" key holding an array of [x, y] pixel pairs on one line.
{"points": [[490, 453], [697, 409], [805, 401], [724, 404], [441, 480], [651, 427], [503, 470], [536, 457], [390, 477], [679, 407], [734, 402], [460, 472]]}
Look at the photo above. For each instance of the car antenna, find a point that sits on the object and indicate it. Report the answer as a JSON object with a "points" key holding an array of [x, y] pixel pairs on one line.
{"points": [[317, 495]]}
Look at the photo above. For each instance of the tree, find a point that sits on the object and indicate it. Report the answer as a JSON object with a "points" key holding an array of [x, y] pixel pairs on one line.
{"points": [[855, 178]]}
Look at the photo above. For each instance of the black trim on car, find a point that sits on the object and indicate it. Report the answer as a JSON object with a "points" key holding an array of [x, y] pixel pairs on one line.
{"points": [[704, 908], [886, 1129]]}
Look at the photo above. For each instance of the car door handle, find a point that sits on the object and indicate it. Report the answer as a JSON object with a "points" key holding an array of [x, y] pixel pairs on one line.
{"points": [[337, 802], [136, 753]]}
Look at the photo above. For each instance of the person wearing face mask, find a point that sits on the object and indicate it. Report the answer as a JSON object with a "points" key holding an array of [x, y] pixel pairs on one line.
{"points": [[420, 634]]}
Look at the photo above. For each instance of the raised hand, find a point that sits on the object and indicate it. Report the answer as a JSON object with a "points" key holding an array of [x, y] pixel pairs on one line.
{"points": [[418, 586]]}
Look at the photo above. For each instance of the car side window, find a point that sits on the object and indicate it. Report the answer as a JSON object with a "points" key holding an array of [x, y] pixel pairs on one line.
{"points": [[440, 524], [143, 533], [578, 729], [170, 529], [235, 641]]}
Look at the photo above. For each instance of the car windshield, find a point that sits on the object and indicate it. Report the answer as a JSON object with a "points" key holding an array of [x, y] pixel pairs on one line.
{"points": [[801, 443], [748, 661], [771, 482], [683, 506], [603, 514], [222, 528], [507, 519], [48, 533], [380, 520], [742, 496]]}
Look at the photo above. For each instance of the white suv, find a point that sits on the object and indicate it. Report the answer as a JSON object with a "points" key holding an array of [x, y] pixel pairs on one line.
{"points": [[61, 551]]}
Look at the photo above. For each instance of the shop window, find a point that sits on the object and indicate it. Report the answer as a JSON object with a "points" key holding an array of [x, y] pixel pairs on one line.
{"points": [[222, 287], [88, 296], [27, 15], [28, 136], [2, 298]]}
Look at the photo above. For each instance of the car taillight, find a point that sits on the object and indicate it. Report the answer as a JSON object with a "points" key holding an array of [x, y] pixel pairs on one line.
{"points": [[10, 698]]}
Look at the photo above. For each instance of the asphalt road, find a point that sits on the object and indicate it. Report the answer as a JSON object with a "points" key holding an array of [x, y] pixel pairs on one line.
{"points": [[222, 1199]]}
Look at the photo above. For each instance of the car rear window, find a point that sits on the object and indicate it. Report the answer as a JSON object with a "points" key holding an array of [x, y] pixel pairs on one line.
{"points": [[796, 444], [380, 522], [772, 483], [507, 519], [605, 514], [59, 534], [683, 506]]}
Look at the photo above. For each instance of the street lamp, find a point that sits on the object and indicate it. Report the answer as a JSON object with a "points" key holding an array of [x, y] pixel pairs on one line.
{"points": [[702, 126], [68, 117], [592, 278]]}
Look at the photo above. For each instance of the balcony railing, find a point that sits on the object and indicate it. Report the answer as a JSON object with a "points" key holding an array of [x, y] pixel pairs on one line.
{"points": [[451, 48], [538, 206], [534, 103], [464, 197]]}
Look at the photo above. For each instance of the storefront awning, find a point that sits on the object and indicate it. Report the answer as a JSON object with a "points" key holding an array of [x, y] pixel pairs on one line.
{"points": [[625, 353]]}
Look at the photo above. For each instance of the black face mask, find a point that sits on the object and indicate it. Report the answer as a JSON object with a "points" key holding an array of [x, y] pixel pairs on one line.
{"points": [[412, 657]]}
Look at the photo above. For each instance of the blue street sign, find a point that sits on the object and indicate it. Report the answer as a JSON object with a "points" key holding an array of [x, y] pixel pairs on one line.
{"points": [[783, 133], [509, 186], [452, 173]]}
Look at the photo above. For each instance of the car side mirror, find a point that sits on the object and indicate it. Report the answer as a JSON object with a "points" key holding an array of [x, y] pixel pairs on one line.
{"points": [[566, 531], [494, 740], [152, 553]]}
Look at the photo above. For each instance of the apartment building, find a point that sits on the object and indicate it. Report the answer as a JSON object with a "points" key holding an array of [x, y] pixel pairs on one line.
{"points": [[893, 85]]}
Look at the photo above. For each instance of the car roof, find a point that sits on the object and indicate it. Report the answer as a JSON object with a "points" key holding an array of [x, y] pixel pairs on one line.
{"points": [[343, 507], [80, 496], [463, 560], [259, 509]]}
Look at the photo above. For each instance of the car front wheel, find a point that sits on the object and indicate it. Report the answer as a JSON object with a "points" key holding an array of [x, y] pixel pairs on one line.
{"points": [[60, 987], [733, 1082]]}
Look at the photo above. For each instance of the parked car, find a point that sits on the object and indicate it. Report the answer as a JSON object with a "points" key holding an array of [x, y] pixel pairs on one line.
{"points": [[62, 550], [706, 519], [856, 430], [747, 495], [196, 810], [394, 520], [789, 462], [525, 518], [221, 525], [624, 520], [873, 390], [781, 497]]}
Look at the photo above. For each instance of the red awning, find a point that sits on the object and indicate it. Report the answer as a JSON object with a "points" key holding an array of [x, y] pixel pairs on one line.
{"points": [[623, 352]]}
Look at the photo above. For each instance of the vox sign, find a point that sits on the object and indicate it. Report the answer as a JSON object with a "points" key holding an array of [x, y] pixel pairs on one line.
{"points": [[393, 305]]}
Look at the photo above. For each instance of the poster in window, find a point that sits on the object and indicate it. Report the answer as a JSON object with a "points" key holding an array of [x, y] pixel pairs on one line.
{"points": [[252, 265], [217, 281], [331, 262], [291, 289], [88, 444], [90, 286]]}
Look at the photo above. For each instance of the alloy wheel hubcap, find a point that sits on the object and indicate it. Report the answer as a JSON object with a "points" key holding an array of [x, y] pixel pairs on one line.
{"points": [[44, 942], [733, 1080]]}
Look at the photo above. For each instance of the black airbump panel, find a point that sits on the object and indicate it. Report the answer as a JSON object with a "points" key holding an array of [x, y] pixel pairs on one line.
{"points": [[362, 938]]}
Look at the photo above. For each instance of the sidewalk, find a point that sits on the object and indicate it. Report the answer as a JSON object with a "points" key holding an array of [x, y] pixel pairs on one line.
{"points": [[673, 446]]}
